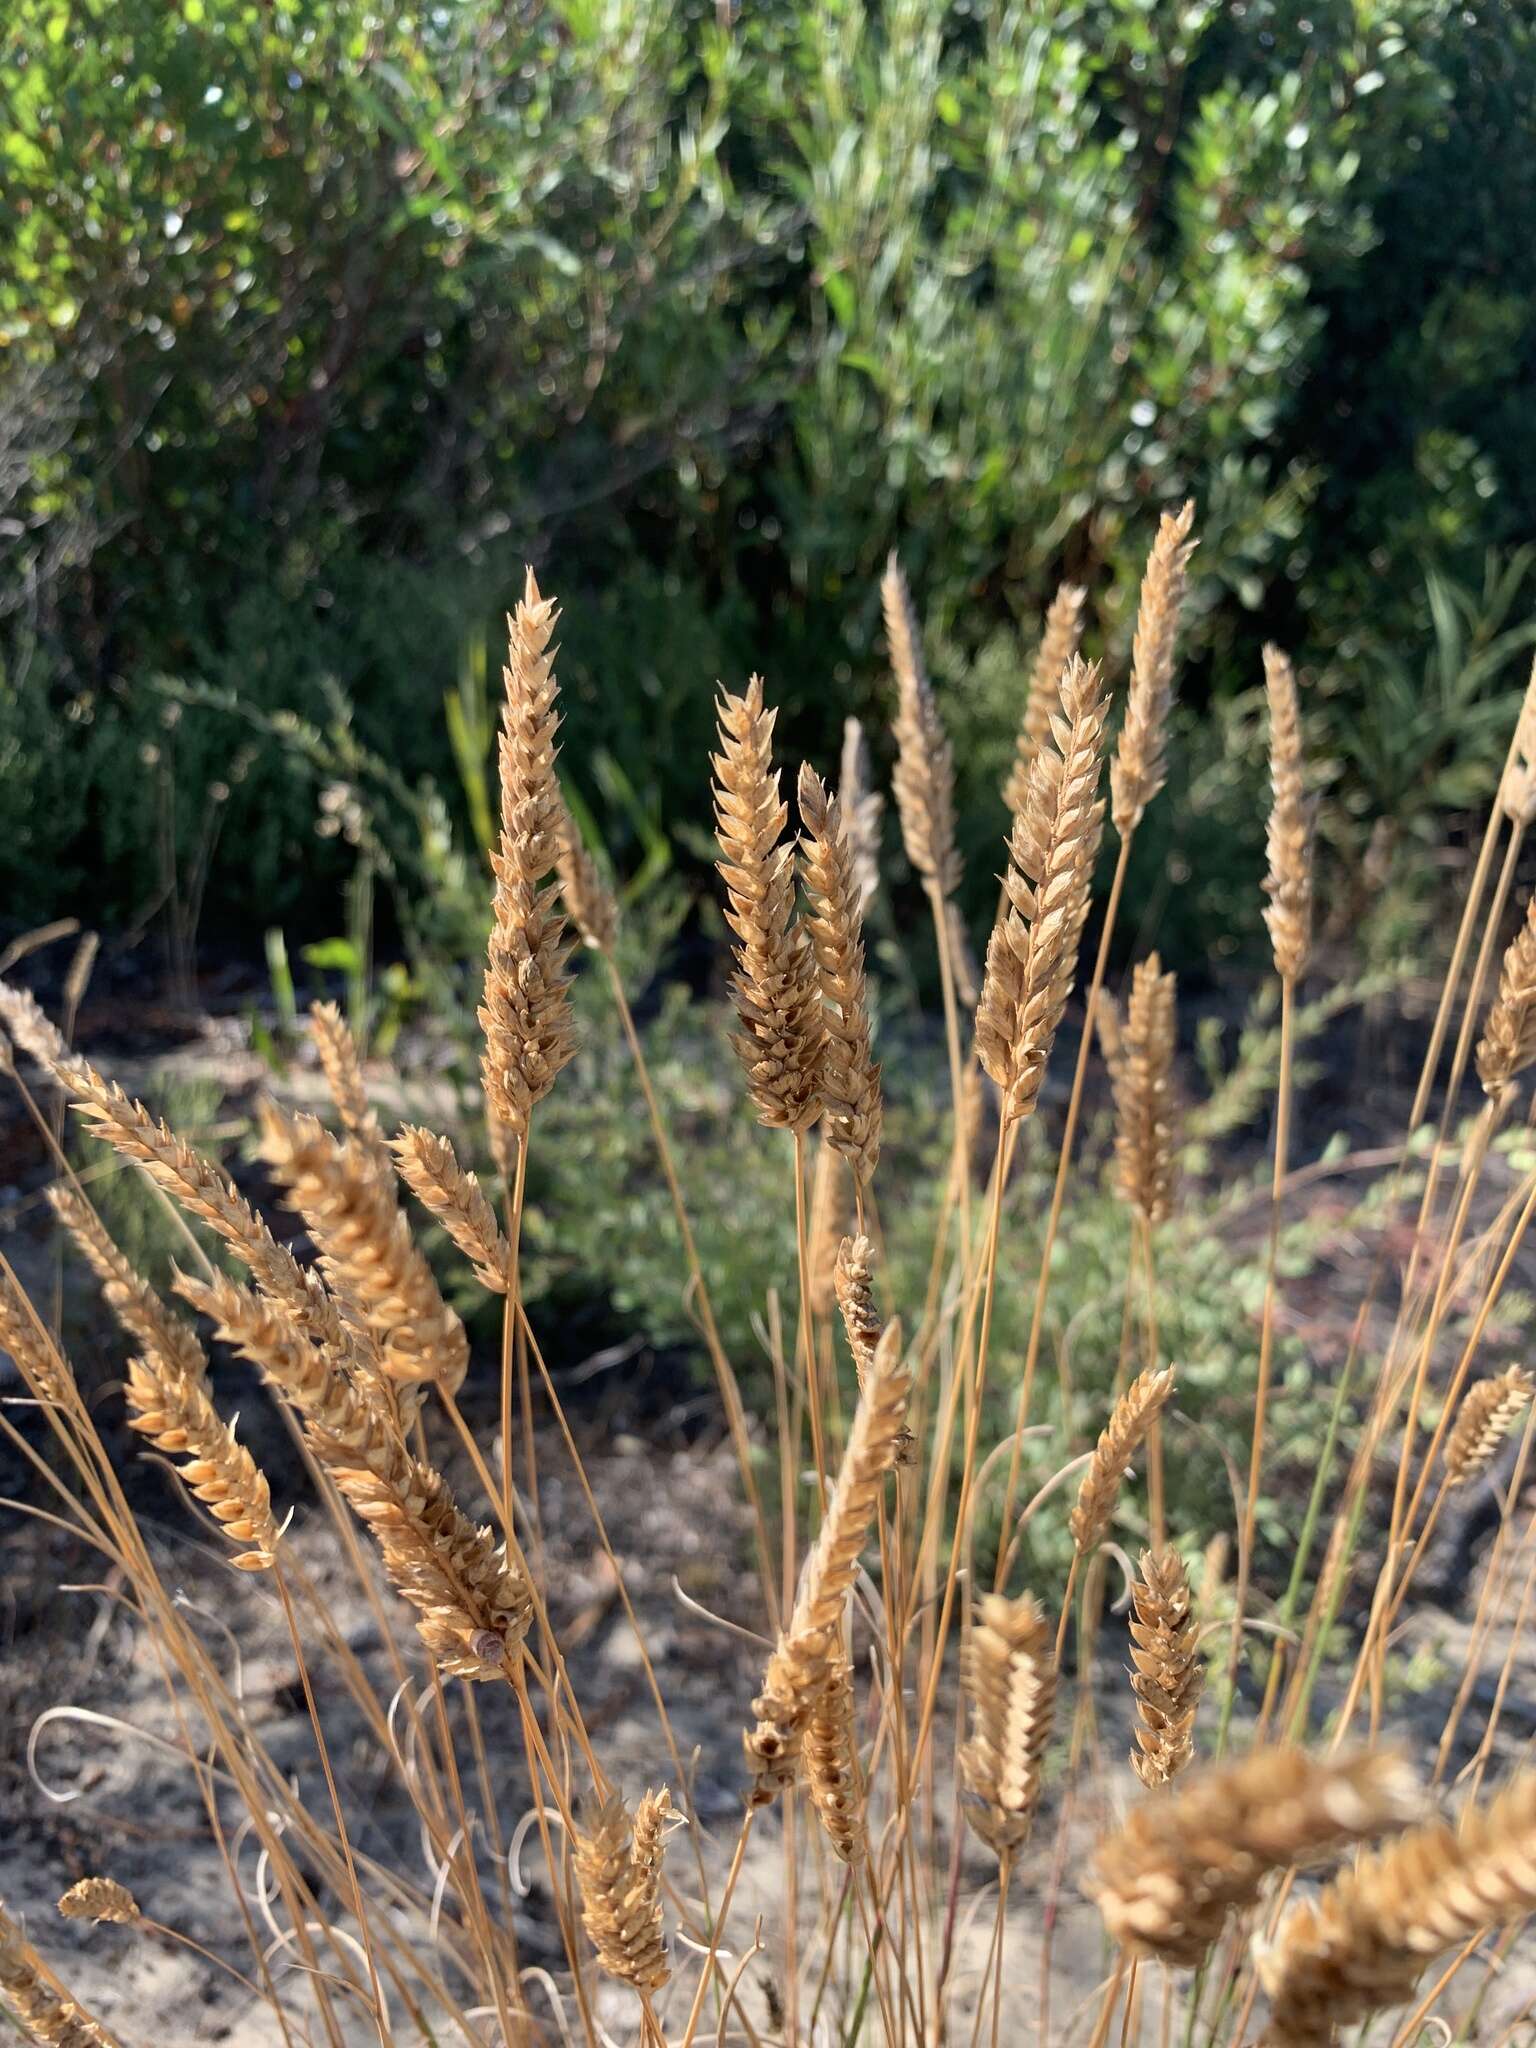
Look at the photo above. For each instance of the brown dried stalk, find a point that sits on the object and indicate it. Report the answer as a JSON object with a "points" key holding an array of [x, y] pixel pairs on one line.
{"points": [[431, 1170], [778, 997], [1139, 769], [619, 1872], [344, 1077], [137, 1307], [1167, 1674], [1146, 1141], [43, 2013], [1058, 643], [1167, 1879], [1009, 1674], [862, 808], [832, 1766], [1488, 1412], [589, 902], [1508, 1044], [924, 777], [174, 1411], [1032, 955], [100, 1898], [1366, 1940], [526, 1012], [849, 1077], [1288, 884], [1137, 1409]]}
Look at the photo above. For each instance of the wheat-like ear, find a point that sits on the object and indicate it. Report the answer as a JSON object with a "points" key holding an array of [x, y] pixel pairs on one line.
{"points": [[924, 779], [849, 1078], [1289, 881], [1009, 1674], [137, 1307], [174, 1411], [42, 1365], [1140, 768], [1517, 791], [862, 808], [100, 1898], [343, 1072], [526, 1012], [41, 2007], [853, 1283], [1167, 1879], [1508, 1043], [1146, 1142], [1059, 642], [1121, 1438], [430, 1168], [1167, 1675], [832, 1772], [778, 997], [589, 902], [1487, 1414], [1032, 955], [618, 1869]]}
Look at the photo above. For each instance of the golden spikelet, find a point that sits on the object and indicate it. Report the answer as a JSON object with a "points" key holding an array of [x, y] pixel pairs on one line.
{"points": [[924, 777], [1288, 884], [1487, 1414], [42, 2010], [526, 1011], [853, 1283], [343, 1072], [1508, 1044], [1032, 955], [1121, 1438], [174, 1411], [365, 1247], [832, 1772], [862, 808], [31, 1348], [618, 1869], [135, 1304], [1365, 1941], [1139, 769], [1167, 1675], [1146, 1147], [848, 1076], [430, 1169], [1517, 791], [1166, 1880], [777, 994], [100, 1898], [1060, 641], [24, 1021], [1009, 1675], [801, 1662], [589, 902]]}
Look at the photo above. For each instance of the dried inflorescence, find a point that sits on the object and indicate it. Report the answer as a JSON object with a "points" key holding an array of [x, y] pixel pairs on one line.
{"points": [[526, 1011], [1146, 1148], [1167, 1674], [1487, 1414], [854, 1285], [924, 777], [1288, 884], [589, 902], [1059, 642], [98, 1899], [848, 1076], [38, 1359], [1139, 769], [776, 989], [430, 1168], [832, 1772], [173, 1409], [618, 1869], [1009, 1674], [1121, 1438], [1508, 1044], [1167, 1879], [1517, 790], [1032, 955], [43, 2012], [862, 808], [343, 1071], [137, 1307]]}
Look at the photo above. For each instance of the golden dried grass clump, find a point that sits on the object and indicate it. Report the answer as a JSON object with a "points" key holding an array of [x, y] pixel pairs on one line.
{"points": [[1167, 1675], [1032, 954], [618, 1869], [42, 2010], [430, 1168], [775, 986], [862, 807], [1365, 1941], [1288, 884], [849, 1078], [1121, 1438], [343, 1072], [1167, 1879], [1486, 1416], [1146, 1149], [1508, 1043], [924, 775], [1140, 768], [173, 1410], [832, 1773], [526, 1011], [98, 1899], [1060, 641], [1009, 1674], [589, 902]]}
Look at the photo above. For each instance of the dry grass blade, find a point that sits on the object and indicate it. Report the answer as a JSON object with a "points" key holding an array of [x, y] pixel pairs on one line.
{"points": [[174, 1411], [1139, 769], [1059, 642], [42, 2012], [832, 1773], [1009, 1674], [343, 1072], [589, 902], [1146, 1142], [430, 1169], [1119, 1441], [849, 1077], [619, 1872], [1167, 1674], [1487, 1414], [777, 995], [1032, 955], [1288, 884], [100, 1898], [1167, 1879], [924, 778], [1508, 1044], [137, 1307], [526, 1011], [862, 808]]}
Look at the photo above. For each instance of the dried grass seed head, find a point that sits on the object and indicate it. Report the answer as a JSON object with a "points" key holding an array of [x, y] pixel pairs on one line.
{"points": [[1167, 1673], [1140, 769], [924, 777], [1488, 1412], [849, 1079], [1288, 884], [1058, 643], [1508, 1044], [618, 1871], [589, 902], [1009, 1675], [100, 1898], [863, 807], [1121, 1438], [430, 1168], [1146, 1137]]}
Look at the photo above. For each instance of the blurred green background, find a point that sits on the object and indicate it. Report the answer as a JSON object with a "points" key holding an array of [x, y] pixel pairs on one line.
{"points": [[318, 319]]}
